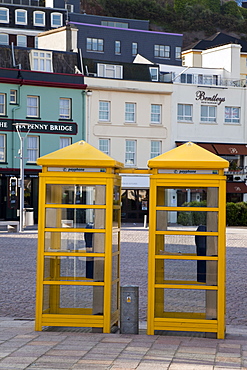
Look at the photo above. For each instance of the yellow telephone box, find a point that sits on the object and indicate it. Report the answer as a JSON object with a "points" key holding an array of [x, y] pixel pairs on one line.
{"points": [[186, 262], [78, 239]]}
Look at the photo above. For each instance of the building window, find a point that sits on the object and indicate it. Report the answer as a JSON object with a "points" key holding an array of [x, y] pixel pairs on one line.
{"points": [[130, 112], [104, 111], [32, 106], [41, 61], [95, 44], [109, 70], [117, 47], [56, 20], [38, 18], [4, 39], [130, 152], [232, 115], [186, 78], [154, 73], [32, 148], [65, 141], [115, 24], [2, 104], [178, 52], [4, 15], [65, 108], [208, 113], [13, 97], [69, 7], [104, 146], [155, 148], [22, 40], [162, 51], [20, 16], [185, 112], [155, 113], [134, 48], [2, 148]]}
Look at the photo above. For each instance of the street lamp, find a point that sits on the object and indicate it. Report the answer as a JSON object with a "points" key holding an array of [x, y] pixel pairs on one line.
{"points": [[21, 156]]}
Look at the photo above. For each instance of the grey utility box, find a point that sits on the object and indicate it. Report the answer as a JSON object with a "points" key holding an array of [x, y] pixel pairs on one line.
{"points": [[129, 309]]}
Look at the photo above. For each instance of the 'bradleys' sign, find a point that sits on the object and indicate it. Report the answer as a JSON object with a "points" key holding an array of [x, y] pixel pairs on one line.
{"points": [[214, 99], [65, 128]]}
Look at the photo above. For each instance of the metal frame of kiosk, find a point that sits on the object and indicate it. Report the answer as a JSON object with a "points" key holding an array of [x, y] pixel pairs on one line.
{"points": [[78, 239], [186, 262]]}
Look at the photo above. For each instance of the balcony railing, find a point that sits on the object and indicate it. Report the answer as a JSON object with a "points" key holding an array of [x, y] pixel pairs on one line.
{"points": [[200, 79]]}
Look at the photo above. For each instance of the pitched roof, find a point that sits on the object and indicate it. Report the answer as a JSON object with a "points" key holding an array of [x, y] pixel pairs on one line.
{"points": [[218, 39]]}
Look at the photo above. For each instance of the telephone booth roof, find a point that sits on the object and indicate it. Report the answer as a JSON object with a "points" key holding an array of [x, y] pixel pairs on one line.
{"points": [[188, 155], [79, 154]]}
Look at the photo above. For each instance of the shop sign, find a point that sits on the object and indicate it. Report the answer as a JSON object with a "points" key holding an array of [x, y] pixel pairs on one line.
{"points": [[65, 128], [213, 99]]}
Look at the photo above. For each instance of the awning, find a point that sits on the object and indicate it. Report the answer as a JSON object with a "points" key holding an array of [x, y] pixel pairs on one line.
{"points": [[231, 149], [236, 187], [221, 149], [206, 146]]}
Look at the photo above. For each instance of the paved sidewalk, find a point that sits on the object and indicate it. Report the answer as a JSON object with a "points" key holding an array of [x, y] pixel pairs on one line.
{"points": [[23, 348]]}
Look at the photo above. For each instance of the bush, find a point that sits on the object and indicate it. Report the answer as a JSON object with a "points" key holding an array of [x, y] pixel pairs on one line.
{"points": [[236, 214], [189, 218]]}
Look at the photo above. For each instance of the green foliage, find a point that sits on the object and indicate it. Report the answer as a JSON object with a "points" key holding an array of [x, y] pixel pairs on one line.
{"points": [[181, 15], [236, 214], [231, 8], [190, 218]]}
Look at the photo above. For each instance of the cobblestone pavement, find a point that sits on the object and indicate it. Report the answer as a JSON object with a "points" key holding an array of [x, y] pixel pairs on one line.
{"points": [[21, 348], [18, 272]]}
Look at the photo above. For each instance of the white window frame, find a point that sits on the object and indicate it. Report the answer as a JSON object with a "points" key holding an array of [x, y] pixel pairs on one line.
{"points": [[69, 8], [6, 37], [155, 113], [154, 73], [33, 106], [13, 97], [2, 104], [130, 152], [178, 51], [104, 111], [16, 16], [184, 115], [65, 109], [38, 24], [109, 70], [54, 24], [130, 112], [233, 119], [209, 117], [2, 148], [134, 48], [94, 44], [21, 40], [154, 152], [162, 51], [7, 15], [64, 141], [104, 146], [32, 150], [41, 60], [117, 47]]}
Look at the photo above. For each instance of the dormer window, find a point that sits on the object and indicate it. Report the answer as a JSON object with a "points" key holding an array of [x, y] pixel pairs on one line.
{"points": [[38, 18], [154, 73], [4, 15], [20, 16], [110, 71], [56, 20], [41, 60]]}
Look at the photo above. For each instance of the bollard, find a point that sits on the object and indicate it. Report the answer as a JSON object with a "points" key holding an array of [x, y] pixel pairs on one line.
{"points": [[129, 309]]}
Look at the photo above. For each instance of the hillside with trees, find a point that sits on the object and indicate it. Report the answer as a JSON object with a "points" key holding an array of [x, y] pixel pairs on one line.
{"points": [[194, 18]]}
